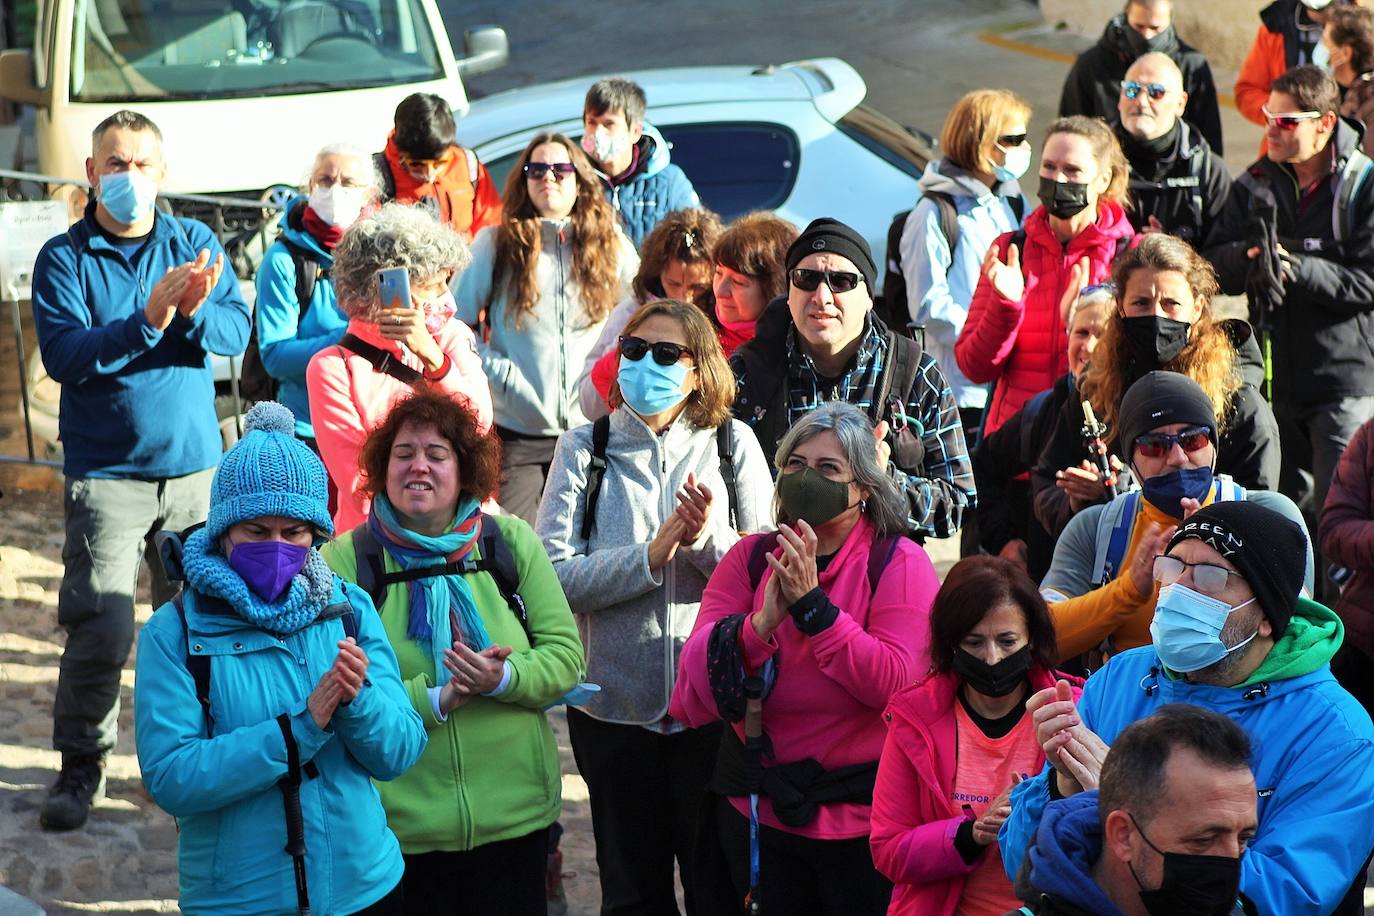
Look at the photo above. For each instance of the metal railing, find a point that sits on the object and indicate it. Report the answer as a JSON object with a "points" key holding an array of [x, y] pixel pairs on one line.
{"points": [[242, 224]]}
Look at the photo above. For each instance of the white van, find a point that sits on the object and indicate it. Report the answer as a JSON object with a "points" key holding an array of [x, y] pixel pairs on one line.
{"points": [[245, 91]]}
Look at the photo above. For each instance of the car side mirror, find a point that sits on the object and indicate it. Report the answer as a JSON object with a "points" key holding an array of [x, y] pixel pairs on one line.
{"points": [[16, 79], [485, 48]]}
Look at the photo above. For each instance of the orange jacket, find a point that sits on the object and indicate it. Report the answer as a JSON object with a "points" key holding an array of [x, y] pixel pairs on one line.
{"points": [[466, 202], [1263, 65]]}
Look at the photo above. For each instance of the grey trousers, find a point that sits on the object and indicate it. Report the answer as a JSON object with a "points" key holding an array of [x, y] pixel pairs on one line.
{"points": [[109, 529]]}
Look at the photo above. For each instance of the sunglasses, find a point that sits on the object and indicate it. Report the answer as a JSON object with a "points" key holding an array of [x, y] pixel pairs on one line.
{"points": [[1208, 578], [442, 162], [1010, 140], [665, 352], [1289, 120], [839, 281], [1157, 445], [1133, 89], [537, 170]]}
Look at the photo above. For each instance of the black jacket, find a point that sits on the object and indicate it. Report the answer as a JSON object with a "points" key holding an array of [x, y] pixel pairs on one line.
{"points": [[1185, 188], [1248, 451], [1323, 333], [1093, 85]]}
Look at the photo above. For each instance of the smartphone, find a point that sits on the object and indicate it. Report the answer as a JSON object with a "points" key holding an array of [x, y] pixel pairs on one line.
{"points": [[394, 285]]}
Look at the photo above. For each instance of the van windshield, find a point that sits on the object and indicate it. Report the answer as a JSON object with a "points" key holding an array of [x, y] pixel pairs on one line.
{"points": [[162, 50]]}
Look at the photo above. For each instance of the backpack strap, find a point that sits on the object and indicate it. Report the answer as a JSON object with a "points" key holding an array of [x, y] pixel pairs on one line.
{"points": [[880, 557], [1029, 412], [758, 557], [596, 471], [949, 219], [382, 360], [198, 665], [499, 563], [309, 270], [1352, 177], [474, 175], [367, 558], [383, 167], [1018, 207], [1228, 490], [725, 451], [901, 367], [1119, 539]]}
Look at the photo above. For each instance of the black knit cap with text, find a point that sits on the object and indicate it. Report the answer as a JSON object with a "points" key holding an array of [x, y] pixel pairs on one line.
{"points": [[832, 236], [1266, 548]]}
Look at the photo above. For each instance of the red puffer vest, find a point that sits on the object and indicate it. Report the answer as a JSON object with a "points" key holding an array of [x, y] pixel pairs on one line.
{"points": [[1022, 345]]}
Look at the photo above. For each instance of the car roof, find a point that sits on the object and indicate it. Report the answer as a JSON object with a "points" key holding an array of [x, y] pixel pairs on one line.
{"points": [[830, 83]]}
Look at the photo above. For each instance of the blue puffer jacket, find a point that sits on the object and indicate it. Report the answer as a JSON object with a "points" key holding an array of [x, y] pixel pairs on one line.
{"points": [[288, 335], [657, 189], [223, 789], [1313, 748]]}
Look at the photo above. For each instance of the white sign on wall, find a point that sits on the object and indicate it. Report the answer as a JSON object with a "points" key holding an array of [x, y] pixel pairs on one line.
{"points": [[25, 226]]}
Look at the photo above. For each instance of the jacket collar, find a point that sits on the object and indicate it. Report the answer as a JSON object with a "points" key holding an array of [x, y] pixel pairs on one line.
{"points": [[87, 233], [628, 427]]}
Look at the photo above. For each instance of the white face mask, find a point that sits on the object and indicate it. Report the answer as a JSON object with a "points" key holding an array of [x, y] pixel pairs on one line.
{"points": [[602, 146], [1316, 4], [337, 205], [1017, 161]]}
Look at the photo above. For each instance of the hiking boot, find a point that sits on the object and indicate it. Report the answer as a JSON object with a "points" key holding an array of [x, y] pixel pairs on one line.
{"points": [[553, 884], [69, 801]]}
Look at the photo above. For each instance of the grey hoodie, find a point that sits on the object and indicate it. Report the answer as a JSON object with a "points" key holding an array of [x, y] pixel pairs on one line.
{"points": [[633, 621]]}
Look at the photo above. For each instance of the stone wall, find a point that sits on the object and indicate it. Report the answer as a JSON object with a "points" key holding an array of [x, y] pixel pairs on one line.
{"points": [[1221, 29]]}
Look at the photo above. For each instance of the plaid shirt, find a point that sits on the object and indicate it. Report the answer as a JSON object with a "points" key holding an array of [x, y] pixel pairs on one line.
{"points": [[940, 489]]}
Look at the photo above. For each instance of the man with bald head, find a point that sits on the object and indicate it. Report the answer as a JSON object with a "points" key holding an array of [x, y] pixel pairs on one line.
{"points": [[1178, 185]]}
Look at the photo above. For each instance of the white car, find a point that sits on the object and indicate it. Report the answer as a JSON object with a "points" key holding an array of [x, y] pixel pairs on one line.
{"points": [[794, 138]]}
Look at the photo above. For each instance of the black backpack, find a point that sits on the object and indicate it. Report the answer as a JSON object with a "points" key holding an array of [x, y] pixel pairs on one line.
{"points": [[254, 382], [596, 470]]}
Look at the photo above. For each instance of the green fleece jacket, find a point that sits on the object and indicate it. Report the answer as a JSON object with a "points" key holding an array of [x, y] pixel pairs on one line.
{"points": [[1313, 635], [490, 771]]}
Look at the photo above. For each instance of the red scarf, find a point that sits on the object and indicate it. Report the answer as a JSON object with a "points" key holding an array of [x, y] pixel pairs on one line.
{"points": [[328, 236]]}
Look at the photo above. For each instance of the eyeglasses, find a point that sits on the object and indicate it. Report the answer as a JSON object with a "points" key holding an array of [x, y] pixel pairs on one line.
{"points": [[839, 281], [665, 352], [1207, 577], [1289, 120], [1157, 445], [1133, 89], [415, 165], [1010, 140], [537, 170]]}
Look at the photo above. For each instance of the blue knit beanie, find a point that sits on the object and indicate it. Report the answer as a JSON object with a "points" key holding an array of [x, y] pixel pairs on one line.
{"points": [[268, 472]]}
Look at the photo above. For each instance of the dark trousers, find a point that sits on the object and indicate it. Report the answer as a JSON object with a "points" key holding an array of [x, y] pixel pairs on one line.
{"points": [[525, 464], [646, 791], [393, 904], [109, 529], [971, 418], [505, 877], [801, 876]]}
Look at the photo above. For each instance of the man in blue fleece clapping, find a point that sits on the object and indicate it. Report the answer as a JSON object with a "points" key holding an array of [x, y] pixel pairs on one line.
{"points": [[129, 304]]}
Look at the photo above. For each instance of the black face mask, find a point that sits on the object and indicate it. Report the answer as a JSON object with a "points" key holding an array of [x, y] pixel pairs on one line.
{"points": [[1063, 199], [1154, 341], [1197, 885], [1140, 45], [993, 680]]}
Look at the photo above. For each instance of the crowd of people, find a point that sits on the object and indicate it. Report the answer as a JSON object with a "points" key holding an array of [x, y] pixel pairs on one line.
{"points": [[576, 441]]}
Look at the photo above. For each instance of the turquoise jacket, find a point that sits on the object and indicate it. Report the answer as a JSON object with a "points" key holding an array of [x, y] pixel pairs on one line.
{"points": [[222, 789], [289, 334]]}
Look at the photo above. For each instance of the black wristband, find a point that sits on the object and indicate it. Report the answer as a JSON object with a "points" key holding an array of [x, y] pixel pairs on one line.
{"points": [[813, 612], [965, 844]]}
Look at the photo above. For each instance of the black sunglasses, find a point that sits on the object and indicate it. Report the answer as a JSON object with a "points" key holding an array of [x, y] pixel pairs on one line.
{"points": [[1133, 89], [1157, 445], [1010, 140], [665, 352], [537, 170], [839, 281]]}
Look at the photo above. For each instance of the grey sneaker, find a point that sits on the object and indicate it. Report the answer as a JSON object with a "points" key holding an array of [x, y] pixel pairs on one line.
{"points": [[69, 801]]}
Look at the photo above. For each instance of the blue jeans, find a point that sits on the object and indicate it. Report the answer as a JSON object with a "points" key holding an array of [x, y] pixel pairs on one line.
{"points": [[109, 529]]}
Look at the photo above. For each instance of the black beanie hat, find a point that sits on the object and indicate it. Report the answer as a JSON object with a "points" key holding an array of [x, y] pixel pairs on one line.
{"points": [[826, 234], [1268, 549], [1158, 399]]}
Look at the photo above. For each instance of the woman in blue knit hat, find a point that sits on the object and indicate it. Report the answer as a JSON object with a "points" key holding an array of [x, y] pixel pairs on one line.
{"points": [[267, 699]]}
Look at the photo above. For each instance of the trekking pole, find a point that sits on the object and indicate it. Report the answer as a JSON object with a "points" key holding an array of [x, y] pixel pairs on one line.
{"points": [[753, 746], [1094, 436], [290, 785]]}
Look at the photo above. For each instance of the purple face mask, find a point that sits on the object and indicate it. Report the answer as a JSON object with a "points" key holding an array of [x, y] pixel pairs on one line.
{"points": [[267, 566]]}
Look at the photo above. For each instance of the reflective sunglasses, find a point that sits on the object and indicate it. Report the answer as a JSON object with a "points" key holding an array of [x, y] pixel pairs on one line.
{"points": [[1133, 89], [1009, 140], [441, 162], [1289, 120], [839, 281], [1157, 445], [537, 170], [665, 352], [1207, 577]]}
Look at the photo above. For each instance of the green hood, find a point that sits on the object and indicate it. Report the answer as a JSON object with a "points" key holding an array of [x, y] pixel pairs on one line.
{"points": [[1314, 634]]}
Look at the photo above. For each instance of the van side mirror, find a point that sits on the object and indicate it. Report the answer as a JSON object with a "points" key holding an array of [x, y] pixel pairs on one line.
{"points": [[16, 79], [485, 48]]}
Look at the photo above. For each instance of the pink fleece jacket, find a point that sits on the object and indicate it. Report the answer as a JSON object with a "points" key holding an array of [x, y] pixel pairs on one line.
{"points": [[830, 688], [348, 398], [913, 820], [1021, 345]]}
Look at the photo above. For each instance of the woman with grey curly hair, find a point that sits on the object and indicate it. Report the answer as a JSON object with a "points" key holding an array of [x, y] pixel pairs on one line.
{"points": [[390, 350], [827, 618]]}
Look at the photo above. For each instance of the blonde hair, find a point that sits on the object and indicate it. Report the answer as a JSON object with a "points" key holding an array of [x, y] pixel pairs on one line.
{"points": [[1106, 150], [974, 124]]}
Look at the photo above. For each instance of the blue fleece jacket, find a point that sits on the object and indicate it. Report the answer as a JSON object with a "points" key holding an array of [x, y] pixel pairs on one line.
{"points": [[1066, 848], [656, 189], [136, 401], [222, 787], [289, 333], [1313, 762]]}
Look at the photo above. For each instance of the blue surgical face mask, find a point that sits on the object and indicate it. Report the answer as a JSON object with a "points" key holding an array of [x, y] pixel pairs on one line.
{"points": [[127, 196], [1167, 491], [649, 388], [267, 567], [1186, 629]]}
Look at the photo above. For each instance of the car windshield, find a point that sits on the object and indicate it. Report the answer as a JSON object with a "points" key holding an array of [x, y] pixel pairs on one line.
{"points": [[161, 50]]}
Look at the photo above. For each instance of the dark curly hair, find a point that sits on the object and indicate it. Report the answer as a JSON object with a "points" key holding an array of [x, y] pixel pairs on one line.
{"points": [[479, 454], [975, 586]]}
